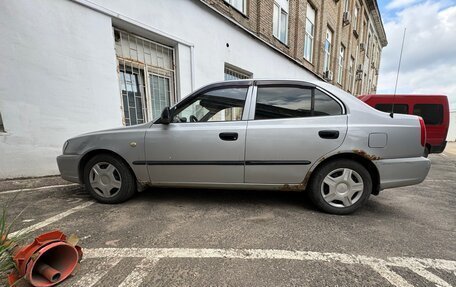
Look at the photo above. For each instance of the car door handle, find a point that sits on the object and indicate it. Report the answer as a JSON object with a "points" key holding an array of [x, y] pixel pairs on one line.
{"points": [[328, 134], [228, 136]]}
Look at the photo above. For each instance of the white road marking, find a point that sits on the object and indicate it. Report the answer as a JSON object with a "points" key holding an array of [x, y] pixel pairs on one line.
{"points": [[36, 188], [392, 277], [97, 273], [51, 220], [381, 266], [431, 277], [137, 276]]}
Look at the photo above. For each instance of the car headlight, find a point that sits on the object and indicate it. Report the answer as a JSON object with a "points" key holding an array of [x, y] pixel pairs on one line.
{"points": [[65, 145]]}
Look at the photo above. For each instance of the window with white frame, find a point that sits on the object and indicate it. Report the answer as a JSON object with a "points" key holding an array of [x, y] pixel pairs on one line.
{"points": [[355, 17], [340, 72], [310, 32], [280, 20], [240, 5], [146, 77], [234, 73], [327, 51], [351, 66]]}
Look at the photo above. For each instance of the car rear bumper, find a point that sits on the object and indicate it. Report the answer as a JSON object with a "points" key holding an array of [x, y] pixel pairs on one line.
{"points": [[402, 171], [69, 167], [438, 148]]}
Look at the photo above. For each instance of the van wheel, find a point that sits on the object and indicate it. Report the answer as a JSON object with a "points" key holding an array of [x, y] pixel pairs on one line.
{"points": [[340, 186], [108, 179]]}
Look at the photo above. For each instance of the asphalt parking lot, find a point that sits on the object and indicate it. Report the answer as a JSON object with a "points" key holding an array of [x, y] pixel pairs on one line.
{"points": [[182, 237]]}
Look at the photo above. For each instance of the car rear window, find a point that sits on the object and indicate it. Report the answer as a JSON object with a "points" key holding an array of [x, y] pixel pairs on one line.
{"points": [[293, 102], [398, 108], [432, 114]]}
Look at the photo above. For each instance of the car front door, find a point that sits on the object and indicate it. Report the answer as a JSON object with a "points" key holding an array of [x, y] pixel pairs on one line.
{"points": [[205, 142], [290, 127]]}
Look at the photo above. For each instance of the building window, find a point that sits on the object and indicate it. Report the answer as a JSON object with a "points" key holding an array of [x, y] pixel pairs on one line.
{"points": [[340, 72], [327, 51], [351, 66], [146, 77], [355, 17], [235, 73], [240, 5], [2, 127], [346, 5], [280, 20], [368, 45], [310, 32]]}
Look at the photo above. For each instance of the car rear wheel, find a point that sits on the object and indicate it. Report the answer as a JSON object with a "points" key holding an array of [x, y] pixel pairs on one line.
{"points": [[108, 179], [340, 186]]}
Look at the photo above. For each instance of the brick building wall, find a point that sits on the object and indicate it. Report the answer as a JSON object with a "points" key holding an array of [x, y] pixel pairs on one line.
{"points": [[257, 17]]}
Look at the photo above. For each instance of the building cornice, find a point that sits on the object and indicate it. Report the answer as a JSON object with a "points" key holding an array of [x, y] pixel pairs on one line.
{"points": [[372, 6]]}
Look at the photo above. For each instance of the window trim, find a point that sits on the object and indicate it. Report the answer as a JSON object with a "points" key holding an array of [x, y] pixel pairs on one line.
{"points": [[328, 53], [217, 86], [340, 65], [279, 26], [266, 83], [312, 37]]}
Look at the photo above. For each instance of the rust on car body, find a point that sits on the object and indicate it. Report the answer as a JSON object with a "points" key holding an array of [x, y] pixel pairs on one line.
{"points": [[366, 155], [293, 187]]}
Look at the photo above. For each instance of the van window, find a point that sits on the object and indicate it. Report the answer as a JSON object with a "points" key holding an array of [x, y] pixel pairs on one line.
{"points": [[432, 114], [398, 108], [293, 102]]}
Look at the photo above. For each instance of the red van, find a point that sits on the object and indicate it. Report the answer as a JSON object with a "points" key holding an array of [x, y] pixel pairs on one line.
{"points": [[433, 109]]}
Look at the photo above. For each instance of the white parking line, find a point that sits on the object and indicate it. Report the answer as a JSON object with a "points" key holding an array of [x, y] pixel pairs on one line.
{"points": [[36, 188], [97, 273], [51, 220], [381, 266], [140, 272], [392, 277]]}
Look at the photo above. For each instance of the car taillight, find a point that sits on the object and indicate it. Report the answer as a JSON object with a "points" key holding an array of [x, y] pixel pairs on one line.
{"points": [[423, 131]]}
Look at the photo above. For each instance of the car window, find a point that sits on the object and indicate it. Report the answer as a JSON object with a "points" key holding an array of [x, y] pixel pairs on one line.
{"points": [[216, 105], [398, 108], [432, 114], [325, 105], [293, 102]]}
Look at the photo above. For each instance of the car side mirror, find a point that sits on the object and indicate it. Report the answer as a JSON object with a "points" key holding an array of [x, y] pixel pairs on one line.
{"points": [[166, 116]]}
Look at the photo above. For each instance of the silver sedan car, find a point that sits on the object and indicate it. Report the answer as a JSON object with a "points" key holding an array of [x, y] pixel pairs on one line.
{"points": [[256, 134]]}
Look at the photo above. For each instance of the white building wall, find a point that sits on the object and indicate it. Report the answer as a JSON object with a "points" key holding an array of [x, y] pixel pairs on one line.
{"points": [[58, 76], [452, 129], [57, 79]]}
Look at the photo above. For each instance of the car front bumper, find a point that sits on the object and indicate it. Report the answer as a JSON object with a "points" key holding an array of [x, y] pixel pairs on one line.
{"points": [[69, 167], [402, 171]]}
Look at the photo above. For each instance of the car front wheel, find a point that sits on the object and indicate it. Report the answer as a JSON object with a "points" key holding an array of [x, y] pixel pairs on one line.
{"points": [[108, 179], [340, 186]]}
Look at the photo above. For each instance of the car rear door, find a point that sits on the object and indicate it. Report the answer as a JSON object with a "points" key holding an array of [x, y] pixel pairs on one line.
{"points": [[205, 143], [290, 127]]}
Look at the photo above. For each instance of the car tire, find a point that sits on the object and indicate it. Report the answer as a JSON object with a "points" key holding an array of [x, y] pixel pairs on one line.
{"points": [[108, 179], [340, 186], [426, 152]]}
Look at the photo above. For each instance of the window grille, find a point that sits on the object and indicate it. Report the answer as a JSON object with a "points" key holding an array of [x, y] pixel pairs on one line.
{"points": [[232, 73], [146, 77]]}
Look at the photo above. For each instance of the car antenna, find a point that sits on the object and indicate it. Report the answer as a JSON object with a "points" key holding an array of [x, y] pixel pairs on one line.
{"points": [[397, 75]]}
